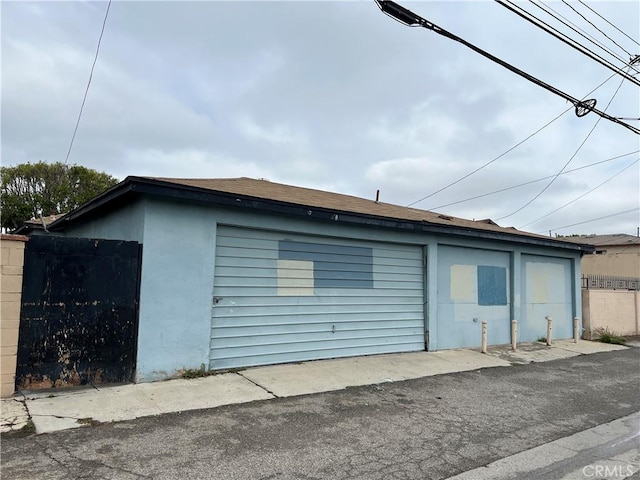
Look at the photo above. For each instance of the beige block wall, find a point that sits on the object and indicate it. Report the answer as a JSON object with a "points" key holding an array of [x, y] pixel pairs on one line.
{"points": [[616, 262], [617, 310], [11, 263]]}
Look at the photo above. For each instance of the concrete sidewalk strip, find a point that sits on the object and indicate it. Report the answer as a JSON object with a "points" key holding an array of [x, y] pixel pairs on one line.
{"points": [[13, 415], [327, 375], [586, 347], [53, 410], [463, 360], [127, 402], [532, 354], [539, 352]]}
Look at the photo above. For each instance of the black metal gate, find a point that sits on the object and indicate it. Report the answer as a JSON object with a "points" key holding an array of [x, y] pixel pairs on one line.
{"points": [[79, 316]]}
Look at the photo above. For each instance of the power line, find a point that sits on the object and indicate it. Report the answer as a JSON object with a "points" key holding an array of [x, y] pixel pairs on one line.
{"points": [[630, 38], [408, 18], [594, 26], [581, 196], [532, 181], [572, 26], [507, 151], [86, 92], [567, 40], [594, 219], [566, 164], [490, 161]]}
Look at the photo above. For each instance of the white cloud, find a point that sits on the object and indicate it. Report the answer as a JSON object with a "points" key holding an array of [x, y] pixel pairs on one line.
{"points": [[274, 134], [191, 164]]}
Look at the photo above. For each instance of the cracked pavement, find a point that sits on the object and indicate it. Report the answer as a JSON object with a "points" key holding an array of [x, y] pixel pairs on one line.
{"points": [[428, 428]]}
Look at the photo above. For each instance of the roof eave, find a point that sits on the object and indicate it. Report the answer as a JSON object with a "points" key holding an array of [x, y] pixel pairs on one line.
{"points": [[142, 185]]}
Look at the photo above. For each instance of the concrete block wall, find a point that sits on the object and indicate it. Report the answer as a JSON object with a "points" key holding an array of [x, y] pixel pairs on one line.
{"points": [[11, 264], [617, 262], [617, 310]]}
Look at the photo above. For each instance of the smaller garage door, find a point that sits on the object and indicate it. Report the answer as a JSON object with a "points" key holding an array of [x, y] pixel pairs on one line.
{"points": [[473, 285], [547, 292], [282, 297]]}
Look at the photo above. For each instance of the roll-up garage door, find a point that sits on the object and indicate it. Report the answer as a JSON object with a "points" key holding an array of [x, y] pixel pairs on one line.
{"points": [[281, 297]]}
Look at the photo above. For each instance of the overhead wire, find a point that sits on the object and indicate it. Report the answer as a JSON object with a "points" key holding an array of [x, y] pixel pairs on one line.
{"points": [[565, 39], [614, 26], [491, 161], [581, 196], [408, 18], [567, 163], [594, 26], [86, 91], [494, 192], [505, 152], [572, 26], [592, 220]]}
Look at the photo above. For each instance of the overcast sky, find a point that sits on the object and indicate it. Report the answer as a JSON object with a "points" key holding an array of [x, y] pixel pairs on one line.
{"points": [[334, 96]]}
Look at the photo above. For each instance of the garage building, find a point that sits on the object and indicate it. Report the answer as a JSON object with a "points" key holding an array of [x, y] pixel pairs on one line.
{"points": [[243, 272]]}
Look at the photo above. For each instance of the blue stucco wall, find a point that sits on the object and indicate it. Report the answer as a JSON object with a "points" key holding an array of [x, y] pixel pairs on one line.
{"points": [[450, 320], [126, 223], [176, 291]]}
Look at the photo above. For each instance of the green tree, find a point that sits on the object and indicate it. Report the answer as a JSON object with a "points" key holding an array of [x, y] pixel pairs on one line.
{"points": [[28, 189]]}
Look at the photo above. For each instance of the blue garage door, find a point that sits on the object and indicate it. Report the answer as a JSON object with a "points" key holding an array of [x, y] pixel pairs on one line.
{"points": [[546, 291], [473, 285], [281, 297]]}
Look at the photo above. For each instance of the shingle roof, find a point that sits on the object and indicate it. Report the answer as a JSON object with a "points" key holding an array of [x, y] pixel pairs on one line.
{"points": [[264, 189], [37, 223], [606, 240], [47, 220]]}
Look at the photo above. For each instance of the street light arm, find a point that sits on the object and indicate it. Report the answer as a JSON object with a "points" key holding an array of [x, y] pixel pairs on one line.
{"points": [[399, 13], [407, 17]]}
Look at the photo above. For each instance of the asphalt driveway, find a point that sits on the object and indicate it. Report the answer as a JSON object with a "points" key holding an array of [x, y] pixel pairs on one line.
{"points": [[431, 428]]}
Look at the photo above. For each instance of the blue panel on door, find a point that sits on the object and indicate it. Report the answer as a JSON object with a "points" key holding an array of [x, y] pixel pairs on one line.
{"points": [[492, 285], [334, 266]]}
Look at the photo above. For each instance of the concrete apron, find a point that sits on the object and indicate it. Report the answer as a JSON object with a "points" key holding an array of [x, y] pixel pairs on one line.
{"points": [[54, 410]]}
